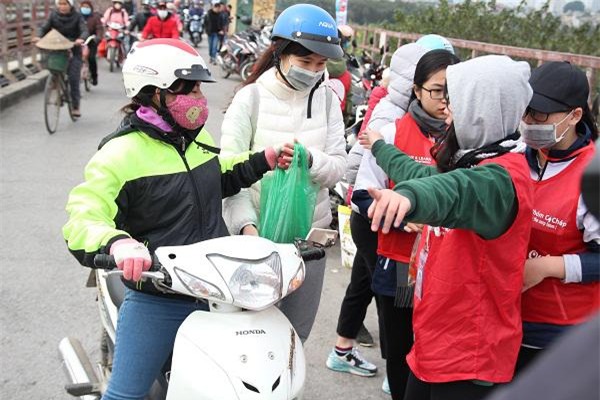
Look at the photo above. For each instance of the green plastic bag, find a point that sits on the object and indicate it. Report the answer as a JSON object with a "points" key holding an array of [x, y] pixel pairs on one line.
{"points": [[287, 201]]}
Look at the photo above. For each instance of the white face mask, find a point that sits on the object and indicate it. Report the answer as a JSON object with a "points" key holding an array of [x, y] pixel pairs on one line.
{"points": [[542, 136], [302, 79], [162, 14]]}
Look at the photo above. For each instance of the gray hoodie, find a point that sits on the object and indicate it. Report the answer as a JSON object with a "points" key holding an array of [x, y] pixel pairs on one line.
{"points": [[402, 74], [394, 105], [488, 96]]}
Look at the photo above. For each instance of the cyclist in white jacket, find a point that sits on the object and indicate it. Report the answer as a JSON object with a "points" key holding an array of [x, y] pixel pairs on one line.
{"points": [[284, 100]]}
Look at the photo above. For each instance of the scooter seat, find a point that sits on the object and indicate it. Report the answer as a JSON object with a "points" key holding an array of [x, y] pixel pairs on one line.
{"points": [[116, 289]]}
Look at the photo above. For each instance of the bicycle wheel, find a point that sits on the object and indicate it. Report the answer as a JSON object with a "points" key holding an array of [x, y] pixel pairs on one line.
{"points": [[85, 76], [52, 102]]}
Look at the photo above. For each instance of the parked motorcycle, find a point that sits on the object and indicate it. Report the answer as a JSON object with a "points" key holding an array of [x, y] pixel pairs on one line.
{"points": [[115, 45], [244, 348], [242, 50]]}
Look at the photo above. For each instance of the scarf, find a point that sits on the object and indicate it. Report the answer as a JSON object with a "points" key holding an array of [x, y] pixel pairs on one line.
{"points": [[433, 126]]}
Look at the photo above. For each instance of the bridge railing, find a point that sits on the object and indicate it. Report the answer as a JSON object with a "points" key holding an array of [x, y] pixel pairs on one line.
{"points": [[372, 39], [19, 22]]}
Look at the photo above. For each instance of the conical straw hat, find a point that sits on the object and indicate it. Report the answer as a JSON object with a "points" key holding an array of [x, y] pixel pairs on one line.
{"points": [[53, 40]]}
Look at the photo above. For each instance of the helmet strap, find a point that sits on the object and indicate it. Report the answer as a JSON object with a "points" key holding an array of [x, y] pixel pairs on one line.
{"points": [[310, 97]]}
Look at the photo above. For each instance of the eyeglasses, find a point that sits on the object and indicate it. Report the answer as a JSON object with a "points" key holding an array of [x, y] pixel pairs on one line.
{"points": [[435, 94], [536, 115], [182, 86]]}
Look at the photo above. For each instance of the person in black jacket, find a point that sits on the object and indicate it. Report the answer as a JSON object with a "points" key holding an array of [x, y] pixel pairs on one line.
{"points": [[71, 25], [214, 29], [95, 27], [140, 19]]}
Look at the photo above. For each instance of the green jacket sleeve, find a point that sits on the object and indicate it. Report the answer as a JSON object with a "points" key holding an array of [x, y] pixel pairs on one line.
{"points": [[398, 166], [481, 199], [92, 209]]}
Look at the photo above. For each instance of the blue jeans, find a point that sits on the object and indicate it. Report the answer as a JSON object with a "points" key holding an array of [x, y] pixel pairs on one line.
{"points": [[213, 45], [146, 332]]}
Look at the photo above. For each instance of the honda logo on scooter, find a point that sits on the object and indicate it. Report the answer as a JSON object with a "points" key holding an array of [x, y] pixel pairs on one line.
{"points": [[251, 332]]}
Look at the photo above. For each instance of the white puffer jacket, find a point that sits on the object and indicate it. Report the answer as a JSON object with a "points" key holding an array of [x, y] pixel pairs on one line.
{"points": [[281, 118]]}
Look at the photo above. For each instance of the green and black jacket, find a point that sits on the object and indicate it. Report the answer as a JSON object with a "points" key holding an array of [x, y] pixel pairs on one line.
{"points": [[156, 188]]}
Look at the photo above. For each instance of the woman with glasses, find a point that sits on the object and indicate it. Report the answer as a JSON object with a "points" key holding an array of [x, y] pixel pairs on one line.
{"points": [[477, 203], [156, 181], [415, 134], [563, 267]]}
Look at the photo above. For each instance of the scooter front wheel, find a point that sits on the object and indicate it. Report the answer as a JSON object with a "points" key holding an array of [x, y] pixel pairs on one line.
{"points": [[112, 58]]}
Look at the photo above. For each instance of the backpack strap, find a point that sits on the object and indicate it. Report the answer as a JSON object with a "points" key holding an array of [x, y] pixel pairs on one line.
{"points": [[255, 99], [328, 95]]}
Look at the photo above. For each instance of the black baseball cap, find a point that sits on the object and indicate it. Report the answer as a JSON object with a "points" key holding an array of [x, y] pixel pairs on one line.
{"points": [[558, 86]]}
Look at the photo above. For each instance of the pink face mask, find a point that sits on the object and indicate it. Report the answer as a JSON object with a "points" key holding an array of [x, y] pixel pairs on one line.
{"points": [[189, 112]]}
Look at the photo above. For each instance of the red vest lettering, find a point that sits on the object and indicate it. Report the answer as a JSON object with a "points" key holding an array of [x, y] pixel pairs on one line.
{"points": [[554, 232]]}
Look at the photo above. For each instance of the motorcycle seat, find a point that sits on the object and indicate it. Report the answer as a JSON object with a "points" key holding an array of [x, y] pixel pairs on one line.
{"points": [[116, 289]]}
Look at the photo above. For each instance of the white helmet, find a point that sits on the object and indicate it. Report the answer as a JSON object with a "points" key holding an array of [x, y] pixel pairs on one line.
{"points": [[160, 62]]}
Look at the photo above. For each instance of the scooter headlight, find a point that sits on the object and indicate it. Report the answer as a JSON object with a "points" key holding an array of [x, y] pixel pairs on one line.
{"points": [[297, 280], [199, 287], [254, 284]]}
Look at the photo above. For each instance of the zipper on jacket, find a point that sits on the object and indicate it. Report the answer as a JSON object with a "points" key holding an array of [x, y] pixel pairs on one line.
{"points": [[194, 186]]}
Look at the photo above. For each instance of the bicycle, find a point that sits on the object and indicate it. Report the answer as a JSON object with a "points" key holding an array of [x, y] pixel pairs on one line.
{"points": [[57, 91], [85, 66]]}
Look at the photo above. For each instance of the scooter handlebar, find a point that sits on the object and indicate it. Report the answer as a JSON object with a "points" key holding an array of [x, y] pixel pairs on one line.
{"points": [[312, 254], [106, 261]]}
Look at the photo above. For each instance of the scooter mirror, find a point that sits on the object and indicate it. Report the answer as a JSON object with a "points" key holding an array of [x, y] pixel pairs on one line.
{"points": [[354, 43], [371, 41], [381, 50]]}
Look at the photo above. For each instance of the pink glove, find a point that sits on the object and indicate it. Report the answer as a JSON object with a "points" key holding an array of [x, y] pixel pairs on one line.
{"points": [[131, 257]]}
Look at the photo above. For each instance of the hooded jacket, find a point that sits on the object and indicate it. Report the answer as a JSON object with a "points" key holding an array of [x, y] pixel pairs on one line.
{"points": [[395, 103], [402, 74], [158, 189], [71, 25], [281, 118], [157, 28], [466, 319]]}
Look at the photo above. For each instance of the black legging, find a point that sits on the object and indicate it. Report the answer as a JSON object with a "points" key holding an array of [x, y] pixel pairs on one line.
{"points": [[398, 335], [358, 293], [74, 75], [459, 390], [93, 50]]}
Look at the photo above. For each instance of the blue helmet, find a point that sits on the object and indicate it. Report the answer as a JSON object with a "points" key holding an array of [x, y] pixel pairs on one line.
{"points": [[310, 26], [435, 42]]}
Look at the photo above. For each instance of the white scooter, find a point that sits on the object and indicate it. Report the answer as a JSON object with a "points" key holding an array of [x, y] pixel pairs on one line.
{"points": [[244, 348]]}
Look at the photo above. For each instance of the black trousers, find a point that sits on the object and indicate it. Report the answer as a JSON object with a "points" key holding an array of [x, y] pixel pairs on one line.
{"points": [[358, 293], [459, 390], [74, 75], [526, 356], [93, 48], [398, 335]]}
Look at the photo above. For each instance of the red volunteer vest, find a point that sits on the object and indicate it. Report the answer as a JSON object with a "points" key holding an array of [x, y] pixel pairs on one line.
{"points": [[554, 232], [398, 244], [467, 320]]}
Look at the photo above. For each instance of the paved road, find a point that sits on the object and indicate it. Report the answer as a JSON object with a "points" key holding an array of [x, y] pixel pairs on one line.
{"points": [[42, 291]]}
